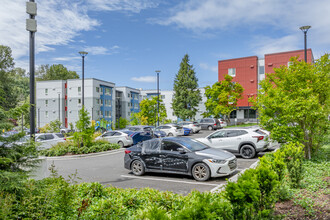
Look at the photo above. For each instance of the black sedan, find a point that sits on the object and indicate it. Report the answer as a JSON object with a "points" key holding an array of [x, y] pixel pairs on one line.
{"points": [[179, 155]]}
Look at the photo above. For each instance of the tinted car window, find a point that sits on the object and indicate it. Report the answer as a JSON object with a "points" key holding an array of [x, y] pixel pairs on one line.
{"points": [[41, 137], [166, 127], [219, 134], [260, 132], [234, 133], [209, 121], [60, 135], [170, 146], [116, 134], [194, 145], [49, 136], [107, 134]]}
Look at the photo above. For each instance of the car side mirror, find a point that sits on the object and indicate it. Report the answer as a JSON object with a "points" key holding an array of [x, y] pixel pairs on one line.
{"points": [[208, 137], [181, 150]]}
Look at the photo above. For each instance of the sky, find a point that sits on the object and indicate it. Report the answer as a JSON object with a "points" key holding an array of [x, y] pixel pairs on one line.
{"points": [[128, 40]]}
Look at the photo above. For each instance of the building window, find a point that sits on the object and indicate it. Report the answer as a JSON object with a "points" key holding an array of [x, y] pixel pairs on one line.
{"points": [[97, 89], [46, 91], [79, 89], [97, 101], [101, 89], [79, 101], [46, 114], [101, 101], [233, 114], [232, 72], [128, 95], [108, 91], [46, 102], [250, 113]]}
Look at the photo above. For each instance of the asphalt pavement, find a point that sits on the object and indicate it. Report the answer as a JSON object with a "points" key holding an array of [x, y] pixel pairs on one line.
{"points": [[108, 169]]}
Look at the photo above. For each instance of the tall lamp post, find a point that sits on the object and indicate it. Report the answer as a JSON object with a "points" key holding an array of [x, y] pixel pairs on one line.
{"points": [[305, 29], [31, 26], [157, 71], [83, 54]]}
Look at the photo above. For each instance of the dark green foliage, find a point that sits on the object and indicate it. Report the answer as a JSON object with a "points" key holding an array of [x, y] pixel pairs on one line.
{"points": [[186, 93], [244, 195], [55, 72], [123, 122], [222, 98], [293, 155]]}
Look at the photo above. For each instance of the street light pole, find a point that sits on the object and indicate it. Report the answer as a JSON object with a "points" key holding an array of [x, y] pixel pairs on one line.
{"points": [[83, 54], [59, 106], [31, 26], [305, 29], [157, 71]]}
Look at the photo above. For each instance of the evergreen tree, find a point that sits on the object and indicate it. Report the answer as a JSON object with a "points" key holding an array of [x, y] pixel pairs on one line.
{"points": [[186, 93]]}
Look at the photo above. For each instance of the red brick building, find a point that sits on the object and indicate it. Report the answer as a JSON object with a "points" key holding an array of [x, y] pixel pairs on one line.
{"points": [[249, 71]]}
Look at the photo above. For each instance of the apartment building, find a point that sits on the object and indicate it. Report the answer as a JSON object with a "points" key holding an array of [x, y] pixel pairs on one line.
{"points": [[127, 102], [249, 71], [62, 99]]}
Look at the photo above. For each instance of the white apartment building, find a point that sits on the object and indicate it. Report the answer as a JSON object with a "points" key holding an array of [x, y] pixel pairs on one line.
{"points": [[62, 99], [127, 102]]}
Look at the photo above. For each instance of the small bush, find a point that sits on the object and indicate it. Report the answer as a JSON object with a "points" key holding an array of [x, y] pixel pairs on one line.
{"points": [[293, 154]]}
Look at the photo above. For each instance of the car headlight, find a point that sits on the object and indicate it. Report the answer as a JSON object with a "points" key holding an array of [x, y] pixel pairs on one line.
{"points": [[217, 161]]}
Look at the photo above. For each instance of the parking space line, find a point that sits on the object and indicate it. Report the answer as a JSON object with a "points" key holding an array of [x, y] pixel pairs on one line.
{"points": [[166, 180]]}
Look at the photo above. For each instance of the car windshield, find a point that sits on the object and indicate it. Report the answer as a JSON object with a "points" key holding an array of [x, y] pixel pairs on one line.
{"points": [[194, 145]]}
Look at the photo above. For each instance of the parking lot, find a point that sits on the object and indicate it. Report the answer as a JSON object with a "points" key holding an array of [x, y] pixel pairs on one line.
{"points": [[108, 169]]}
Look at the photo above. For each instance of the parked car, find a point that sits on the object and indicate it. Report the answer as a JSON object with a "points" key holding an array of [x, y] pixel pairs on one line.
{"points": [[223, 123], [139, 136], [179, 155], [171, 129], [186, 131], [245, 141], [64, 130], [116, 137], [210, 124], [158, 133], [194, 126]]}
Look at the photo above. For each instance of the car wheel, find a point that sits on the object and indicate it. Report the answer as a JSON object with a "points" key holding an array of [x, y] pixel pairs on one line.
{"points": [[210, 128], [201, 172], [137, 168], [121, 144], [196, 132], [247, 151], [170, 134]]}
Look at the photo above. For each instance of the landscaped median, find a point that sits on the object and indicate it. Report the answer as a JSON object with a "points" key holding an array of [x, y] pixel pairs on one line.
{"points": [[280, 176]]}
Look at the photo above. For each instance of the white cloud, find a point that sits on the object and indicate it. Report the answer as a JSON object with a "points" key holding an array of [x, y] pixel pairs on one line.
{"points": [[66, 58], [205, 66], [123, 5], [99, 50], [147, 79], [281, 18]]}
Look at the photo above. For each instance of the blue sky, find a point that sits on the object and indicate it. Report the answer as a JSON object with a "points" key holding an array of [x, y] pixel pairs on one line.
{"points": [[127, 40]]}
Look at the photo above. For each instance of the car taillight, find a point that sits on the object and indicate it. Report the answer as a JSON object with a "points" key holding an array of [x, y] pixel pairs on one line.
{"points": [[127, 151], [215, 124], [259, 138]]}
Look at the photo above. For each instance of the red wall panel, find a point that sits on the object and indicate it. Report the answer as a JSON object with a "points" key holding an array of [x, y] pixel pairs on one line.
{"points": [[246, 75]]}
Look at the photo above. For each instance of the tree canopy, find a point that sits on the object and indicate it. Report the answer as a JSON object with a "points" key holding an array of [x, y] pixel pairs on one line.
{"points": [[222, 98], [148, 111], [293, 103], [186, 93], [54, 72]]}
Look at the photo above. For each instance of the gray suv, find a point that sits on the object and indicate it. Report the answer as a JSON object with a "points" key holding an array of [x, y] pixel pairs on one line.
{"points": [[210, 123]]}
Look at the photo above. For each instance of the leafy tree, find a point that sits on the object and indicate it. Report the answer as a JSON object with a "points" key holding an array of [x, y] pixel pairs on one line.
{"points": [[293, 103], [134, 119], [148, 111], [14, 159], [123, 122], [55, 72], [55, 125], [222, 98], [186, 93], [8, 96], [84, 136]]}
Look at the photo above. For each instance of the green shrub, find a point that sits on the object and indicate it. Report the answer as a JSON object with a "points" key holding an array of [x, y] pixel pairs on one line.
{"points": [[293, 155], [244, 195]]}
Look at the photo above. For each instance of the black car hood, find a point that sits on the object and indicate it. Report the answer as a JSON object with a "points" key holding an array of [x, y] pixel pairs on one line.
{"points": [[214, 153]]}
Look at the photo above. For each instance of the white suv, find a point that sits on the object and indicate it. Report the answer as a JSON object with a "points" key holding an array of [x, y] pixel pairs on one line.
{"points": [[194, 126], [245, 141], [171, 130]]}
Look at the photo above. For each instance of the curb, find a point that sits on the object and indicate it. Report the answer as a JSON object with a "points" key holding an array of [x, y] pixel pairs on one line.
{"points": [[82, 155]]}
